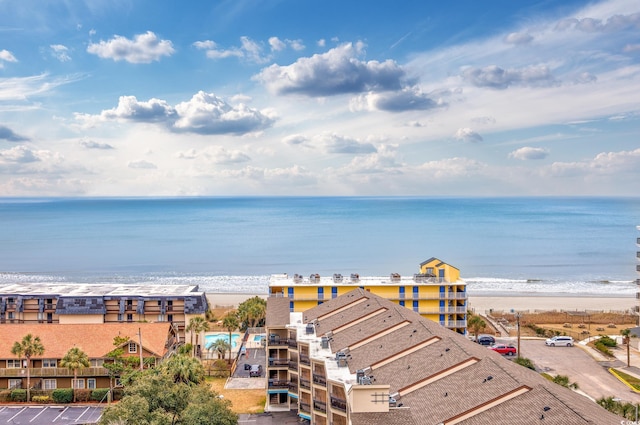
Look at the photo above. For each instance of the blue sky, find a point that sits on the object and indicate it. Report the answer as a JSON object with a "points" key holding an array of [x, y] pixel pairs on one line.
{"points": [[500, 98]]}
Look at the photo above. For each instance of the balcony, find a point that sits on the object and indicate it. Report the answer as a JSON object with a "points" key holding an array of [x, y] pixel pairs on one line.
{"points": [[278, 384], [278, 362], [51, 372], [293, 387], [320, 406], [338, 404], [292, 343], [305, 383], [305, 407], [450, 324], [293, 365], [319, 380], [275, 340], [443, 310], [304, 359]]}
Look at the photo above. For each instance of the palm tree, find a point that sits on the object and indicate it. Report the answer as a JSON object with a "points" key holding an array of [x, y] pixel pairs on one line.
{"points": [[184, 369], [230, 322], [220, 346], [197, 325], [626, 333], [29, 346], [75, 359], [476, 324]]}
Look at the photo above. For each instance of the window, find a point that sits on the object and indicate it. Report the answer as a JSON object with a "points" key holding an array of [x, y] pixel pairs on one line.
{"points": [[170, 305], [78, 384], [401, 292], [290, 292], [129, 317], [97, 362], [160, 317], [320, 293], [291, 306], [133, 348], [415, 291], [15, 383], [91, 383], [13, 364], [415, 305], [334, 292], [170, 317], [120, 317], [48, 303], [50, 384], [49, 363], [401, 302], [11, 315]]}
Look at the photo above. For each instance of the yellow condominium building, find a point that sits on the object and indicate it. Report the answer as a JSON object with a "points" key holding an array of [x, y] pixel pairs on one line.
{"points": [[436, 291]]}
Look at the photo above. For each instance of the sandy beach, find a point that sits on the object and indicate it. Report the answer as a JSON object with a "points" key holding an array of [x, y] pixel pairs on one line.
{"points": [[484, 303]]}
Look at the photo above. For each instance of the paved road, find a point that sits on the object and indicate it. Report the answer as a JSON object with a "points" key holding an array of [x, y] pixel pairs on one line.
{"points": [[592, 377]]}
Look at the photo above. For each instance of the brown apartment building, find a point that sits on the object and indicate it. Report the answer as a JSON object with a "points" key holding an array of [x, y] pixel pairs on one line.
{"points": [[154, 341], [360, 359]]}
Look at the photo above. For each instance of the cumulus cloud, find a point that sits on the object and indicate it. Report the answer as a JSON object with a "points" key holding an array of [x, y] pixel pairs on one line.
{"points": [[220, 155], [605, 163], [467, 135], [60, 52], [452, 167], [335, 143], [142, 164], [612, 24], [19, 154], [144, 48], [205, 113], [407, 99], [527, 153], [518, 38], [9, 135], [279, 45], [498, 78], [249, 50], [338, 71], [6, 56], [295, 139], [90, 144], [278, 177]]}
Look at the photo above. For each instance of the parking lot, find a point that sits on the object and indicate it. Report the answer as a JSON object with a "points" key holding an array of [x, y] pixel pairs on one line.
{"points": [[41, 415]]}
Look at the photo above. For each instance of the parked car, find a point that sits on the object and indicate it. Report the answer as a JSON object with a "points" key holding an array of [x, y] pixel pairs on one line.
{"points": [[255, 371], [486, 340], [504, 349], [567, 341]]}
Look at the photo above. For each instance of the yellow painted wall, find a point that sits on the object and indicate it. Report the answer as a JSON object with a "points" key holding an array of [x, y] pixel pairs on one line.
{"points": [[451, 274]]}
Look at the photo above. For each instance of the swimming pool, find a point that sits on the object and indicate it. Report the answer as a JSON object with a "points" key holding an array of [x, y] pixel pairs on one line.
{"points": [[259, 338], [209, 339]]}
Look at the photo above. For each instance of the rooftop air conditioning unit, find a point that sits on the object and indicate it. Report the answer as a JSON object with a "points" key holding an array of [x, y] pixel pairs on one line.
{"points": [[337, 278], [309, 329], [324, 342], [314, 278], [355, 277], [365, 380], [297, 278], [395, 277]]}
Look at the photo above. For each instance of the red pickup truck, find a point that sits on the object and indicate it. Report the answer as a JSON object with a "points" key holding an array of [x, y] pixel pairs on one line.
{"points": [[503, 349]]}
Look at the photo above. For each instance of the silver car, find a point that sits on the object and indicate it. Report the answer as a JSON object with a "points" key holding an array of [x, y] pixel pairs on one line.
{"points": [[567, 341]]}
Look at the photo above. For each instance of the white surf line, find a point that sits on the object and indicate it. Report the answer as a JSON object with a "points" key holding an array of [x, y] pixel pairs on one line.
{"points": [[61, 413], [11, 418]]}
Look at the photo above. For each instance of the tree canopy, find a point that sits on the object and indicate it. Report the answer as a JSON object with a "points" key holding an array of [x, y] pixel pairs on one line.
{"points": [[29, 346], [252, 312]]}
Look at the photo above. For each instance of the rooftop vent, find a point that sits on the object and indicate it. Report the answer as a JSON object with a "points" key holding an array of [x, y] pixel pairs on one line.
{"points": [[297, 278], [314, 278], [337, 278], [365, 380], [310, 329], [324, 342], [395, 277], [355, 277]]}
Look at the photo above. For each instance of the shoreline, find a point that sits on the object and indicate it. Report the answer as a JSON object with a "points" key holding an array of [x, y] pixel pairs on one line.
{"points": [[483, 302]]}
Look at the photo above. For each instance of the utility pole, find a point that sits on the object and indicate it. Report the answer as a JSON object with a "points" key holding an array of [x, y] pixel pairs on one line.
{"points": [[140, 343], [518, 329]]}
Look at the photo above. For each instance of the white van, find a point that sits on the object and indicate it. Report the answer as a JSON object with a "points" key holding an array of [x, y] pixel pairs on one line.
{"points": [[567, 341]]}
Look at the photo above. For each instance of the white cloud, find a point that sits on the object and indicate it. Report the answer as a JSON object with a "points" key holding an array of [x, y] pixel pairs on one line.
{"points": [[276, 44], [295, 139], [25, 88], [142, 165], [205, 113], [407, 99], [248, 49], [336, 143], [9, 135], [467, 135], [628, 48], [617, 22], [60, 52], [605, 163], [452, 168], [518, 38], [90, 144], [337, 71], [144, 48], [6, 56], [526, 153], [19, 154], [497, 78]]}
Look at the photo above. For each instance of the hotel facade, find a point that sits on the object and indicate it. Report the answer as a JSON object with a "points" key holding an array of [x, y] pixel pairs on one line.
{"points": [[436, 292]]}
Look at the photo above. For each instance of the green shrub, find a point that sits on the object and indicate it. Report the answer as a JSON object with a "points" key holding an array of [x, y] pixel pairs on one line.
{"points": [[19, 395], [99, 394], [62, 395], [523, 361], [41, 399], [5, 395], [603, 348], [607, 341], [83, 395]]}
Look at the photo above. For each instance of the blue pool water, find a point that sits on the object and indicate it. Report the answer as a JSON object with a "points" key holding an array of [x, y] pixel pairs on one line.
{"points": [[211, 338], [258, 338]]}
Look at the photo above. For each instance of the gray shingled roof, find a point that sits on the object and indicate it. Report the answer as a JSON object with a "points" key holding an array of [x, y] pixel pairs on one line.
{"points": [[520, 395]]}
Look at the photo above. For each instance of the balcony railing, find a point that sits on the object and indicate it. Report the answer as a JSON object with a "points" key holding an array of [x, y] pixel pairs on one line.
{"points": [[339, 403], [443, 310], [320, 406], [454, 324], [452, 296], [293, 365], [278, 384], [52, 371], [293, 387], [277, 362], [304, 359], [319, 379], [292, 343], [305, 407], [305, 383]]}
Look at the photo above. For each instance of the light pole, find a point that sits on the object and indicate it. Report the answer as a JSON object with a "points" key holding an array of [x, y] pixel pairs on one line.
{"points": [[518, 329]]}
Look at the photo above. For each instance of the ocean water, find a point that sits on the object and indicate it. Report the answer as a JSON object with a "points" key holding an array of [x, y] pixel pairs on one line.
{"points": [[518, 245]]}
